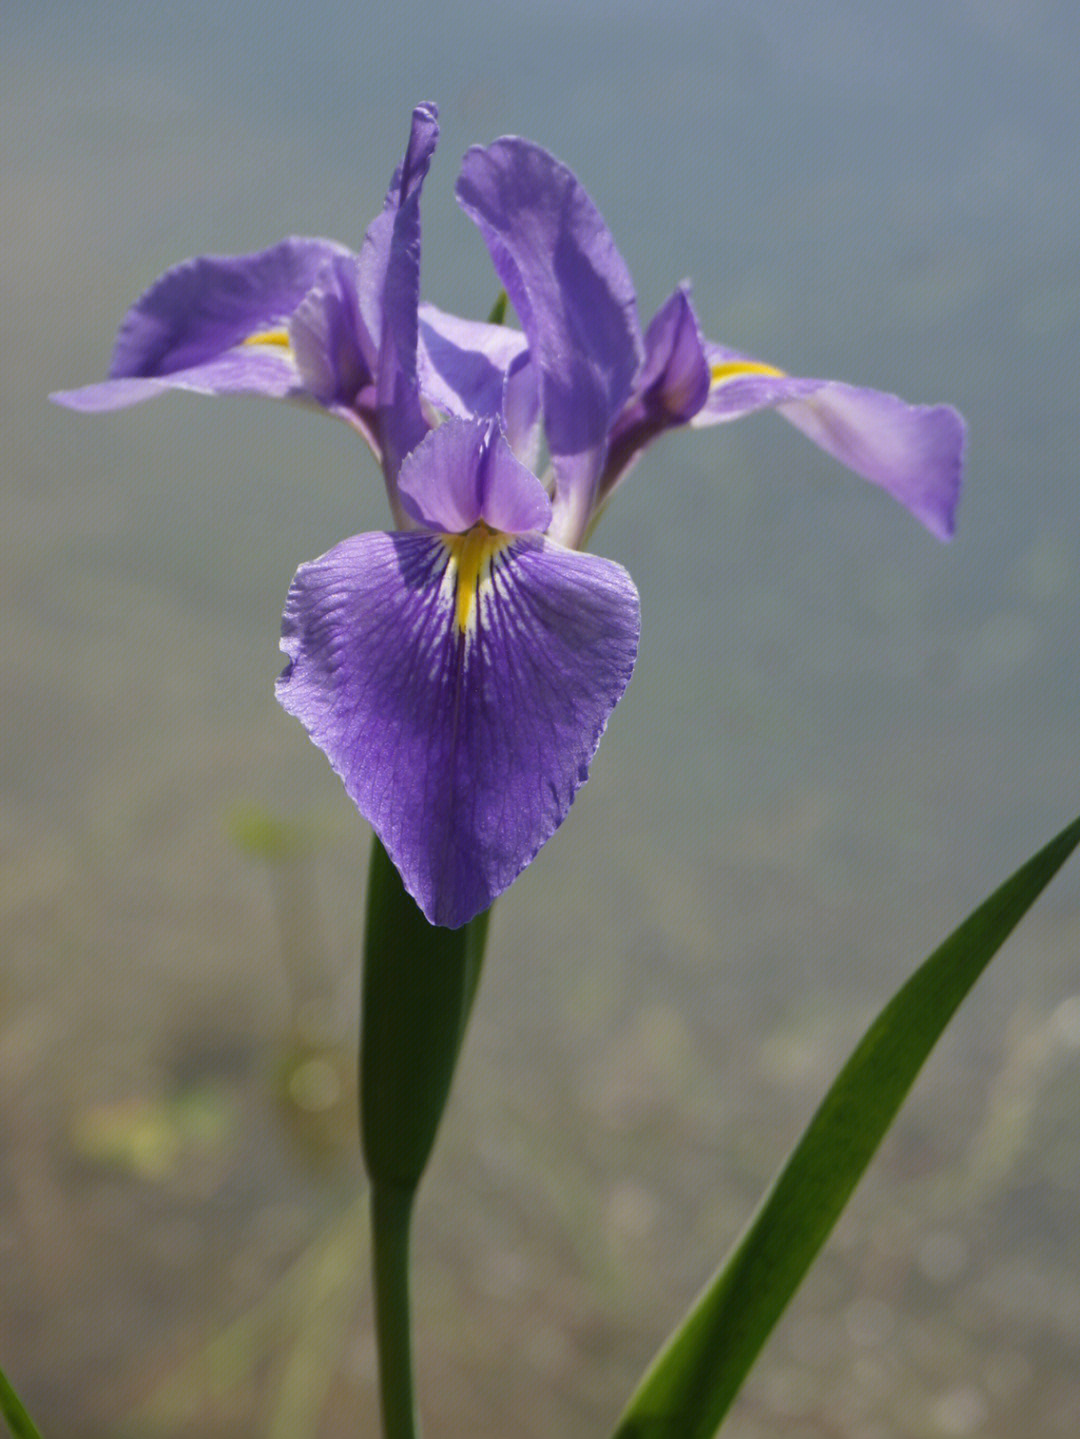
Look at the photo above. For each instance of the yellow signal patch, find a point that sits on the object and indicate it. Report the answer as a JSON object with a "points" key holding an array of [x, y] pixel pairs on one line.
{"points": [[471, 554]]}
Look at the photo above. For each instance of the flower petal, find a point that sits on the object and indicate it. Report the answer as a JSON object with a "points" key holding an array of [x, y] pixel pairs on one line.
{"points": [[675, 374], [575, 298], [465, 472], [671, 389], [741, 385], [214, 324], [914, 452], [389, 298], [334, 354], [463, 745], [521, 417], [267, 370], [464, 363]]}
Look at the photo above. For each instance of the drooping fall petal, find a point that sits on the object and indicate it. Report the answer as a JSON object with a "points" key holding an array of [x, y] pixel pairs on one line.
{"points": [[215, 324], [914, 452], [461, 738]]}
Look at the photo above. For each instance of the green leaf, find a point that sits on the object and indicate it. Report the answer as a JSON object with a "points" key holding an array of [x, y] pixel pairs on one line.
{"points": [[497, 314], [18, 1421], [419, 984], [691, 1383]]}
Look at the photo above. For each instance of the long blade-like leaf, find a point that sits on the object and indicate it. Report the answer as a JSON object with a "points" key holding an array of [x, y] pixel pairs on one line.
{"points": [[688, 1388], [419, 985], [11, 1407]]}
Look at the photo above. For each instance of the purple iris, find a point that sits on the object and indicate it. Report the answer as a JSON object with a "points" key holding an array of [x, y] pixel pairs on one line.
{"points": [[459, 672]]}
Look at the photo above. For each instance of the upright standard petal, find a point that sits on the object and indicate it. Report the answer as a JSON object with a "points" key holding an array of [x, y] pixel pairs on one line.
{"points": [[575, 298], [914, 452], [215, 324], [389, 299], [462, 744]]}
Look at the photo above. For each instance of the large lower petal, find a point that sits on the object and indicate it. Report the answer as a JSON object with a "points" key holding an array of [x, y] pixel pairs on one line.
{"points": [[461, 733]]}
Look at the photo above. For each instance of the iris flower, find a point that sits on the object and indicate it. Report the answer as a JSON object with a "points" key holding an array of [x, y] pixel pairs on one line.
{"points": [[459, 671]]}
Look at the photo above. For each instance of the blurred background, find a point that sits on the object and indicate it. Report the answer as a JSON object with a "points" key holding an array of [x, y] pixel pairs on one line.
{"points": [[841, 736]]}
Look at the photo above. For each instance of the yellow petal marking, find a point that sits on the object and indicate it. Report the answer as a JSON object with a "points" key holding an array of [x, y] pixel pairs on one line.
{"points": [[471, 554], [725, 370], [268, 337]]}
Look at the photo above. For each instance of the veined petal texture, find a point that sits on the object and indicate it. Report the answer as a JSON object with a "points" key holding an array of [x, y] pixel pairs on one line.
{"points": [[461, 731]]}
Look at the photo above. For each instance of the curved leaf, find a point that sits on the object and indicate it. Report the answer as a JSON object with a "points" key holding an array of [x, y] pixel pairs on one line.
{"points": [[18, 1421], [690, 1385]]}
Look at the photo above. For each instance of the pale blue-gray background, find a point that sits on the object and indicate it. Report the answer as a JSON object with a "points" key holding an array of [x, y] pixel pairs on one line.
{"points": [[840, 735]]}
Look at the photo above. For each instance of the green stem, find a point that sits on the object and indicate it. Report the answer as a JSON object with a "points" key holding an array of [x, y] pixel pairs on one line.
{"points": [[419, 985], [391, 1215]]}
